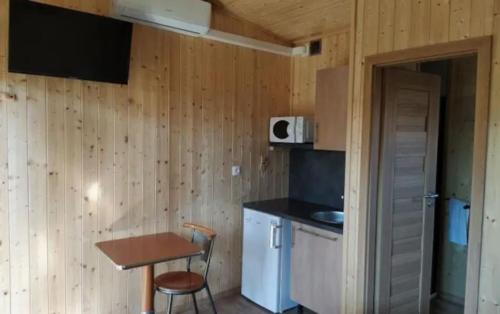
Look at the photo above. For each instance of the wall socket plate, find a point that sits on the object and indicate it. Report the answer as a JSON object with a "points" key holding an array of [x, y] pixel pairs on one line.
{"points": [[235, 171]]}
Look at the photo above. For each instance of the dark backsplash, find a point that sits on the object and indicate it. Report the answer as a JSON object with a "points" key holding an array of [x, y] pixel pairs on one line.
{"points": [[317, 177]]}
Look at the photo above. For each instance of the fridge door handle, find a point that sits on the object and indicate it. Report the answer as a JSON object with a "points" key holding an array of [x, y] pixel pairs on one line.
{"points": [[272, 237]]}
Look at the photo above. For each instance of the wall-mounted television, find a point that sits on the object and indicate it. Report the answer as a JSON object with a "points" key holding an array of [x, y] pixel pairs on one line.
{"points": [[53, 41]]}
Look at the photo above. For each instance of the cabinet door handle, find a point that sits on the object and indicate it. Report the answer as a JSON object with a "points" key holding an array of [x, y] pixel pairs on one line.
{"points": [[316, 132], [293, 236], [316, 234], [272, 236]]}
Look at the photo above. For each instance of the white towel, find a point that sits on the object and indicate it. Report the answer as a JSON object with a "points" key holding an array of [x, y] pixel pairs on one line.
{"points": [[458, 218]]}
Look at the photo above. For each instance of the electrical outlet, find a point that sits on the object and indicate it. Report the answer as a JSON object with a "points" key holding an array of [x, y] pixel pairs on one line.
{"points": [[235, 171]]}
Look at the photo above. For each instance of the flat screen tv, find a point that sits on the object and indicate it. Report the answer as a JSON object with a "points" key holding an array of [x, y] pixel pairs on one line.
{"points": [[53, 41]]}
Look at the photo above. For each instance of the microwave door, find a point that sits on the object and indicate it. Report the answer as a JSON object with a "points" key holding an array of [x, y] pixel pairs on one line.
{"points": [[282, 130]]}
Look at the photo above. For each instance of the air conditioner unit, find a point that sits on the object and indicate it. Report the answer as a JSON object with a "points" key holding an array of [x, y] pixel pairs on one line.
{"points": [[190, 17]]}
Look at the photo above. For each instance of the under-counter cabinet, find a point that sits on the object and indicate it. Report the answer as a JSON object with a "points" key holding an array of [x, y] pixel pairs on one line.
{"points": [[316, 268], [330, 113]]}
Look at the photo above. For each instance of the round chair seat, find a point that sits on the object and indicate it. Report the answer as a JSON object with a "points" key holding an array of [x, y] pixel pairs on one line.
{"points": [[179, 282]]}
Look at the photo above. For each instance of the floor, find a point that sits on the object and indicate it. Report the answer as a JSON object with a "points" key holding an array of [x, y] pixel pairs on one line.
{"points": [[439, 306], [236, 304]]}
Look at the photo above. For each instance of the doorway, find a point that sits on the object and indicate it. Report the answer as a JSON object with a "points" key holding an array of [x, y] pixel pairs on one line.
{"points": [[425, 171], [410, 175]]}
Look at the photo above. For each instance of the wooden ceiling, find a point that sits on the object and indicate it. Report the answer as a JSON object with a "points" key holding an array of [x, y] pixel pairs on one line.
{"points": [[292, 20]]}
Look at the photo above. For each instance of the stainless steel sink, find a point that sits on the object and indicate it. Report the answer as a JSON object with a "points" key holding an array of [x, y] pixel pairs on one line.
{"points": [[333, 217]]}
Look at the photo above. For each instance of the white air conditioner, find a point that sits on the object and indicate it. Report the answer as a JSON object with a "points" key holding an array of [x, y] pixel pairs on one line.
{"points": [[185, 16]]}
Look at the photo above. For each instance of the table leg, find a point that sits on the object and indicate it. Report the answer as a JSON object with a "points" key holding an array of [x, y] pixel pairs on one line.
{"points": [[148, 305]]}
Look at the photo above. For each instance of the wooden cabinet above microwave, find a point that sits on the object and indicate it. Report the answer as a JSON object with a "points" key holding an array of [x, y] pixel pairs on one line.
{"points": [[330, 112]]}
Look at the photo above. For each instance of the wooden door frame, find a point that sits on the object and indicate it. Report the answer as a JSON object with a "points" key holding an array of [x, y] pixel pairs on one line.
{"points": [[370, 148]]}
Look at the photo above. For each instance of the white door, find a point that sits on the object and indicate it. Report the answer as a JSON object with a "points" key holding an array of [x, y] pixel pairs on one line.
{"points": [[261, 259]]}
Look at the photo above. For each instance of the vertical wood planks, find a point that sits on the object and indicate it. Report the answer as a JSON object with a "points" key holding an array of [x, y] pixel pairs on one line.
{"points": [[481, 19], [162, 167], [4, 195], [4, 171], [90, 191], [121, 211], [386, 25], [440, 21], [37, 186], [460, 16], [207, 130], [55, 195], [175, 116], [420, 22], [149, 63], [186, 133], [105, 190], [73, 194], [18, 193], [135, 123], [402, 23]]}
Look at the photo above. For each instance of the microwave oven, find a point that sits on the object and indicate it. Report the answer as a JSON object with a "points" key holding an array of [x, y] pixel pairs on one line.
{"points": [[291, 130]]}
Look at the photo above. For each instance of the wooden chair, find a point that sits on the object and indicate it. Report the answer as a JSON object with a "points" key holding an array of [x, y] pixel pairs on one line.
{"points": [[187, 282]]}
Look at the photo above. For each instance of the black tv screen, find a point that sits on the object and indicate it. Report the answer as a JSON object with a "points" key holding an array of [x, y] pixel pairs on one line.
{"points": [[53, 41]]}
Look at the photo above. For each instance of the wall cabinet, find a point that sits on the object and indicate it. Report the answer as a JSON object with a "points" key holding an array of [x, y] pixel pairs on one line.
{"points": [[330, 112], [316, 268]]}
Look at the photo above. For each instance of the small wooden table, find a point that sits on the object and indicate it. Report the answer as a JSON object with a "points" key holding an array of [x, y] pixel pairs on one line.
{"points": [[145, 251]]}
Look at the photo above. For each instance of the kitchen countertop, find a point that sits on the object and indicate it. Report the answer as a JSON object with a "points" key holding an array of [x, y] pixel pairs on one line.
{"points": [[295, 210]]}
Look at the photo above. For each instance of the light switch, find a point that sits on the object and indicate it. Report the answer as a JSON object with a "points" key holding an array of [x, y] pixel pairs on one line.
{"points": [[235, 171]]}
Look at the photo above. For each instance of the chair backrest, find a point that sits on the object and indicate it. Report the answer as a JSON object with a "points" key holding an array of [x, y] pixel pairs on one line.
{"points": [[204, 237]]}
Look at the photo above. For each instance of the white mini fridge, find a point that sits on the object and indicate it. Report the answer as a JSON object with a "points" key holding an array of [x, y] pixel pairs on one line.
{"points": [[266, 260]]}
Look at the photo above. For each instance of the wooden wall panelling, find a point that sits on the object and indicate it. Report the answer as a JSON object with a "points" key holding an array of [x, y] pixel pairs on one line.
{"points": [[72, 184], [489, 292], [218, 167], [242, 143], [186, 132], [90, 179], [115, 157], [136, 163], [460, 17], [18, 193], [440, 21], [226, 215], [402, 26], [55, 195], [431, 21], [37, 187], [419, 22], [481, 19], [335, 51], [149, 71], [4, 174], [163, 166], [386, 25], [120, 202], [187, 67], [208, 81], [105, 199], [364, 28], [4, 193], [197, 130], [237, 157], [264, 100]]}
